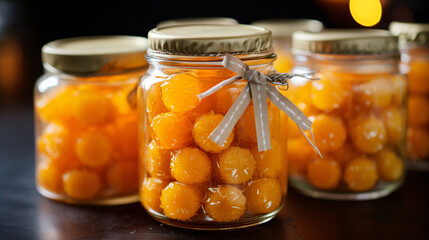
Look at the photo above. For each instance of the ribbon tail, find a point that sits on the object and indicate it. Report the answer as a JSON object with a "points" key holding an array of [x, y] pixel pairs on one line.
{"points": [[293, 112], [288, 107], [313, 144], [259, 96], [225, 127]]}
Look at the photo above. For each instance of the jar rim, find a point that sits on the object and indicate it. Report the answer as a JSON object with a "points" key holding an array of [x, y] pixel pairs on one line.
{"points": [[210, 39], [411, 34], [346, 42], [207, 60], [94, 55]]}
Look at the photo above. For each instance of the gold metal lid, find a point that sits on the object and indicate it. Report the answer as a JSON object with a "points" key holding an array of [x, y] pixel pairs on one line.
{"points": [[286, 27], [411, 34], [203, 20], [95, 55], [346, 41], [210, 39]]}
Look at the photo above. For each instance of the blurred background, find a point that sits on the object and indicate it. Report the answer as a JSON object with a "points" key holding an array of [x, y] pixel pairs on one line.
{"points": [[26, 25]]}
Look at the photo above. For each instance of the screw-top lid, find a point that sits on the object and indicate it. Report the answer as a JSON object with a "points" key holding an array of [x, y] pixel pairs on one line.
{"points": [[95, 55], [205, 20], [411, 34], [346, 41], [286, 27], [210, 39]]}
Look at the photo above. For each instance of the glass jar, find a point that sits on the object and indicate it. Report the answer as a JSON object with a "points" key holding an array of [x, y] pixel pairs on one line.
{"points": [[282, 30], [86, 119], [187, 180], [358, 109], [414, 48]]}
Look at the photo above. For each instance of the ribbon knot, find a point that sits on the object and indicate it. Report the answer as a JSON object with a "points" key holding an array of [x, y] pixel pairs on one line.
{"points": [[254, 76], [258, 90]]}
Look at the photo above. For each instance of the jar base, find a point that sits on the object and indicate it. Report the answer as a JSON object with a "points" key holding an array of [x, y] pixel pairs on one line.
{"points": [[117, 200], [212, 225], [307, 189]]}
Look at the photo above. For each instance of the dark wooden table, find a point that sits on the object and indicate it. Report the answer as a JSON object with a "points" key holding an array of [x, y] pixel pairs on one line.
{"points": [[24, 214]]}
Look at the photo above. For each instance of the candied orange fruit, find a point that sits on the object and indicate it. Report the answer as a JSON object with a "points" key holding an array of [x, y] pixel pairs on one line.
{"points": [[226, 96], [269, 163], [324, 173], [94, 149], [154, 103], [181, 201], [394, 121], [263, 195], [418, 110], [179, 94], [204, 107], [328, 93], [190, 165], [235, 165], [299, 154], [53, 107], [378, 92], [308, 110], [300, 91], [172, 130], [225, 203], [91, 108], [345, 154], [82, 184], [417, 77], [203, 127], [57, 142], [389, 165], [122, 177], [158, 161], [211, 75], [368, 134], [360, 174], [49, 177], [120, 99], [246, 128], [329, 131], [150, 193], [124, 137], [417, 143]]}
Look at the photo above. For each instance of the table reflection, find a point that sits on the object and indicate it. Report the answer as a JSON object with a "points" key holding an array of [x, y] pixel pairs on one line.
{"points": [[61, 221]]}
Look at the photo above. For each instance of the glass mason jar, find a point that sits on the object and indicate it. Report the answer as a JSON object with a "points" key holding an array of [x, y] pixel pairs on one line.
{"points": [[187, 180], [282, 30], [358, 109], [414, 48], [86, 119]]}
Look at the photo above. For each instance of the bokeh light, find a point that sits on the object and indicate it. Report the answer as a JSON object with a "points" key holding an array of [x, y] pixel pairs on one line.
{"points": [[366, 12]]}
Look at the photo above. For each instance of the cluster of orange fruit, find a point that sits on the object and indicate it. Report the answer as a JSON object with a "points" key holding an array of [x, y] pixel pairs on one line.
{"points": [[418, 110], [87, 145], [187, 174], [358, 125]]}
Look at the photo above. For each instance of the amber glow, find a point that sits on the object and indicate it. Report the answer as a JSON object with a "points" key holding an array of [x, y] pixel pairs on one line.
{"points": [[366, 12]]}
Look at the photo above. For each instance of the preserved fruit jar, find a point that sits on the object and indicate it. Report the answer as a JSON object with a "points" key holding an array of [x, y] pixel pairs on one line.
{"points": [[188, 180], [358, 109], [86, 119], [414, 48], [282, 30]]}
